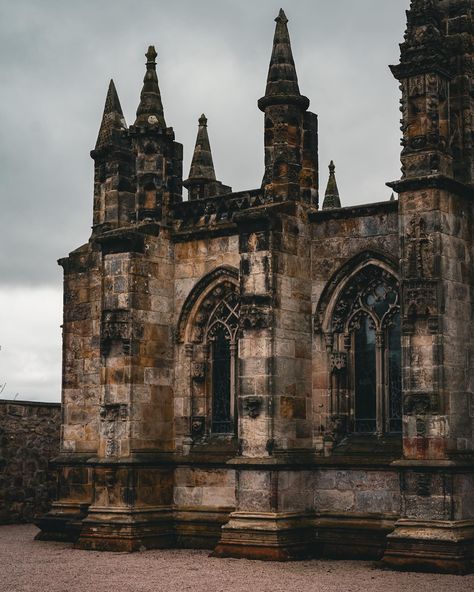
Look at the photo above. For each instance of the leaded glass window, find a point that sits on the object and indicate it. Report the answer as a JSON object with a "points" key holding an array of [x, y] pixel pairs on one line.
{"points": [[366, 331], [221, 335]]}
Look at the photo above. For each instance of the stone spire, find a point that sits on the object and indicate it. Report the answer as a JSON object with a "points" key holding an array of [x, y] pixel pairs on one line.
{"points": [[202, 182], [112, 119], [282, 81], [202, 166], [331, 198], [150, 109]]}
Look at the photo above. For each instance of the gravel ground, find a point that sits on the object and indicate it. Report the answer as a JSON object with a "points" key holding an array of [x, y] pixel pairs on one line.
{"points": [[34, 566]]}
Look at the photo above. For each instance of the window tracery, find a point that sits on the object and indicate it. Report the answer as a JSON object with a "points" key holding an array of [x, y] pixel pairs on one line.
{"points": [[365, 335], [214, 334]]}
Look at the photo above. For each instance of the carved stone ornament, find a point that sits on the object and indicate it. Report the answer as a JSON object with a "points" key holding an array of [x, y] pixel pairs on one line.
{"points": [[220, 308], [112, 417], [338, 361], [419, 248], [420, 298], [116, 326], [373, 292], [252, 406], [227, 278], [198, 371], [226, 314], [254, 316], [198, 425]]}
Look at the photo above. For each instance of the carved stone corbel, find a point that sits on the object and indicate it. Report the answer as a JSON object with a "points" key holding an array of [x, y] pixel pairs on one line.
{"points": [[252, 406]]}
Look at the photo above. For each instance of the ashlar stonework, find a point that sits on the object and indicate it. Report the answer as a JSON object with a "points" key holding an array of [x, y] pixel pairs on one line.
{"points": [[248, 373]]}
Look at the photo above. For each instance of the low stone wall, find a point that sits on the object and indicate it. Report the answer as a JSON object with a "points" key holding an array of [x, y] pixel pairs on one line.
{"points": [[29, 438]]}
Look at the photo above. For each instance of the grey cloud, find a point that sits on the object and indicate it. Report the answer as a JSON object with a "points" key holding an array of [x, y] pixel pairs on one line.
{"points": [[57, 57]]}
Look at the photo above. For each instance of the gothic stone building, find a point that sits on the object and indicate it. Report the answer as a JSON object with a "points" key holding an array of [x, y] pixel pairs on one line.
{"points": [[250, 373]]}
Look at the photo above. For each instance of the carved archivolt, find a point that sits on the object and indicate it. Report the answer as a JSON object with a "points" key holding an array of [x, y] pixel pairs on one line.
{"points": [[374, 293], [214, 301], [365, 284]]}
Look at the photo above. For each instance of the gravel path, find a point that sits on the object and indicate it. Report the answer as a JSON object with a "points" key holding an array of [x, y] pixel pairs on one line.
{"points": [[33, 566]]}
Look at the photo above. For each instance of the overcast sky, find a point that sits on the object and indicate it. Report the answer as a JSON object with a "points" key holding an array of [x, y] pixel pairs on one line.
{"points": [[56, 58]]}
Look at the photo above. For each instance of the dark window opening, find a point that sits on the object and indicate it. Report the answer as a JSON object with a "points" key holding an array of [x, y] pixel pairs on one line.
{"points": [[365, 413], [221, 383]]}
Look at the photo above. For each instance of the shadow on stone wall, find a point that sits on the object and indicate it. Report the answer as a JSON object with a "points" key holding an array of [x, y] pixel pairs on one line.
{"points": [[29, 438]]}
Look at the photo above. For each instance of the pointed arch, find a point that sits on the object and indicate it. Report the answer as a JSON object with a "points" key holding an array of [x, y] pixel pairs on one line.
{"points": [[211, 287], [359, 314], [341, 280]]}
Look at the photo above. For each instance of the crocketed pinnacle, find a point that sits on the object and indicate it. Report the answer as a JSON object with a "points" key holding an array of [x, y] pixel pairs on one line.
{"points": [[331, 198], [202, 166], [282, 80], [150, 109], [112, 119]]}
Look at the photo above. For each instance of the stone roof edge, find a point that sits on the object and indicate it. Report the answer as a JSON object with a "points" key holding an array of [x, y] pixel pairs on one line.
{"points": [[354, 211]]}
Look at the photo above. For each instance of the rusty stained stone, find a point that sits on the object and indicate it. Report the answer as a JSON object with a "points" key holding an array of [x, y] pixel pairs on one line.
{"points": [[295, 285]]}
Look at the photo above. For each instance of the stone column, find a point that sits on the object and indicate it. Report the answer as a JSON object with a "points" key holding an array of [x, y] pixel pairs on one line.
{"points": [[133, 490], [274, 387], [436, 529]]}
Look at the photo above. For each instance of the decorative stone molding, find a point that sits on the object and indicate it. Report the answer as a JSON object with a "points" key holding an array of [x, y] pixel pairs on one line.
{"points": [[338, 361], [363, 260], [198, 371], [229, 277], [373, 292]]}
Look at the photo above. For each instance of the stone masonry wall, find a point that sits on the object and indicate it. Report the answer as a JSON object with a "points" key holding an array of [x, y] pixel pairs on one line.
{"points": [[29, 438], [341, 237]]}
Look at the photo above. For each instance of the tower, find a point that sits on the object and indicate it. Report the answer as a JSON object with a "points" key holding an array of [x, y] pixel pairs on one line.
{"points": [[158, 157], [114, 199], [436, 529], [291, 131]]}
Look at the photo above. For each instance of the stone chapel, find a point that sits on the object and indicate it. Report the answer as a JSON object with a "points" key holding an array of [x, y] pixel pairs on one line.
{"points": [[257, 374]]}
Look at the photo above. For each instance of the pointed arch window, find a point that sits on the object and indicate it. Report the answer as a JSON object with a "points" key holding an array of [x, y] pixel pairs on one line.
{"points": [[221, 336], [366, 335]]}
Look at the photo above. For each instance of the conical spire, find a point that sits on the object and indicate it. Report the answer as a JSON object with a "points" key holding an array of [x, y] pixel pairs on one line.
{"points": [[282, 81], [202, 166], [112, 119], [150, 109], [331, 198]]}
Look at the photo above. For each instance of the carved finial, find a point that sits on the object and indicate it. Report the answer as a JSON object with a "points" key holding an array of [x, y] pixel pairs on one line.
{"points": [[331, 199], [150, 109], [281, 18], [151, 56], [202, 166]]}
